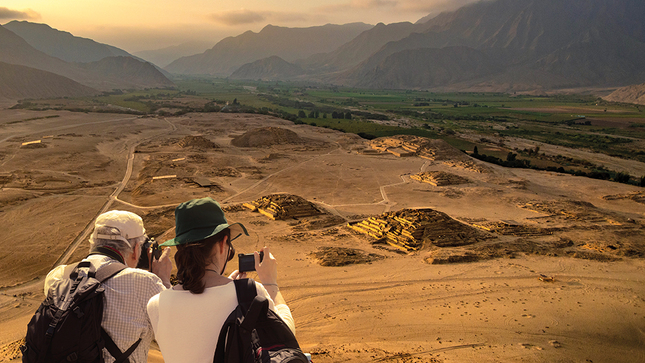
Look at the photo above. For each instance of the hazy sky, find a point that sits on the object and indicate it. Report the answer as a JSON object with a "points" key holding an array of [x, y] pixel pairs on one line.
{"points": [[136, 25]]}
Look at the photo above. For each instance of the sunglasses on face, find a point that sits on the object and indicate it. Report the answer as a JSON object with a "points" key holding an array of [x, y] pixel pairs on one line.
{"points": [[231, 251]]}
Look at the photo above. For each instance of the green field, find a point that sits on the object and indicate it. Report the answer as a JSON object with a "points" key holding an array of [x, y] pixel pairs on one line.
{"points": [[578, 121]]}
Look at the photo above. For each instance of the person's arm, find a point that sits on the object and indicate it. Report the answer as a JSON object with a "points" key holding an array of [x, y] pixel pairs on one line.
{"points": [[268, 274], [274, 293]]}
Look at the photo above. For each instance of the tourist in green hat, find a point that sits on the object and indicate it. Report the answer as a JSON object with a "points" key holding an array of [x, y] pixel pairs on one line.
{"points": [[188, 318]]}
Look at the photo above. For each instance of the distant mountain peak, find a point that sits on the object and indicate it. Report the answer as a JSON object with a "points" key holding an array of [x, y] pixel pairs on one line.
{"points": [[268, 69], [61, 44], [106, 74], [289, 43], [534, 44]]}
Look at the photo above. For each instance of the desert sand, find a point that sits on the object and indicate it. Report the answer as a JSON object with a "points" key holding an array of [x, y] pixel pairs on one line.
{"points": [[555, 267]]}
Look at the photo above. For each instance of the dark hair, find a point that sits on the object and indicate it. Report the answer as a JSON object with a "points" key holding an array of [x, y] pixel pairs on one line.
{"points": [[191, 260]]}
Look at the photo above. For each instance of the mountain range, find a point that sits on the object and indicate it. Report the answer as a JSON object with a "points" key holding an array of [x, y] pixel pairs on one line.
{"points": [[268, 69], [20, 82], [164, 56], [61, 44], [97, 67], [497, 45], [502, 45], [289, 44]]}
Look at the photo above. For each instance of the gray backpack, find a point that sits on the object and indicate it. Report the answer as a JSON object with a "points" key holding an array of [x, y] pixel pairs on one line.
{"points": [[67, 325]]}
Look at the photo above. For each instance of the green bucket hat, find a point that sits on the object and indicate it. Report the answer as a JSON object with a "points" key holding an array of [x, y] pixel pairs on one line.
{"points": [[198, 219]]}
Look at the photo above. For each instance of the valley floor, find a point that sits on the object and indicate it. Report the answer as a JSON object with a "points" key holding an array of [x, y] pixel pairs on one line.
{"points": [[575, 294]]}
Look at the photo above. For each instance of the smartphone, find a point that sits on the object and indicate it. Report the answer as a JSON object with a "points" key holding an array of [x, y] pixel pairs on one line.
{"points": [[247, 261]]}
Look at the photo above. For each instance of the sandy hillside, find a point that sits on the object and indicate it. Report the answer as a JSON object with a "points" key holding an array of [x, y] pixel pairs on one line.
{"points": [[395, 250], [629, 94]]}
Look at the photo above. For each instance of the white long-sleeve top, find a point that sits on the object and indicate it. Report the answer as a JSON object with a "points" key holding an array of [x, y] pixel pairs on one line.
{"points": [[187, 325]]}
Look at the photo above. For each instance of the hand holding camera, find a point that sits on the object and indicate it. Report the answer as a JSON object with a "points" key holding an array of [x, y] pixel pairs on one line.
{"points": [[150, 250], [267, 267], [156, 260]]}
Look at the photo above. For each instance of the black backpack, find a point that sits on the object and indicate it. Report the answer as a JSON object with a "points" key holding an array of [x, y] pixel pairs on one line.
{"points": [[253, 333], [67, 325]]}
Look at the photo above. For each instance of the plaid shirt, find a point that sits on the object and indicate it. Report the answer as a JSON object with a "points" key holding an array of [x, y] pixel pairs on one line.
{"points": [[126, 296]]}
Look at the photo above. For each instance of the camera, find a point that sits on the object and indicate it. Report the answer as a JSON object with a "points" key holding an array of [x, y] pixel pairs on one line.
{"points": [[247, 261], [144, 259]]}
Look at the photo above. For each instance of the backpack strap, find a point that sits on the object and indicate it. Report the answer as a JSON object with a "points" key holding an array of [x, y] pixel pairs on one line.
{"points": [[83, 264], [108, 271], [110, 345], [252, 305], [220, 348], [246, 292], [103, 274], [259, 308]]}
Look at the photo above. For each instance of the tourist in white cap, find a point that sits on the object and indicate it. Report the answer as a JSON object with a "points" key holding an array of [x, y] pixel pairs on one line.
{"points": [[118, 238]]}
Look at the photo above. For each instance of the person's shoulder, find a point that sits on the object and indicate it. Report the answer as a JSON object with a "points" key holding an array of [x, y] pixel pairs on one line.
{"points": [[54, 275], [56, 271], [148, 284], [153, 303], [137, 273]]}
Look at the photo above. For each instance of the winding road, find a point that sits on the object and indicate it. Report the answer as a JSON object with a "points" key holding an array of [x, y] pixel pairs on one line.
{"points": [[114, 196], [64, 257], [111, 199]]}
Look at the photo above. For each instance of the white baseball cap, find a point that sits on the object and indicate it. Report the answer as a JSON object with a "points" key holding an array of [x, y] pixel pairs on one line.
{"points": [[129, 225]]}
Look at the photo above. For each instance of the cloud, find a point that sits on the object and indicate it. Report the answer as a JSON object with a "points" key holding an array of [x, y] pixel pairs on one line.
{"points": [[238, 17], [246, 17], [412, 6], [8, 14], [153, 37], [371, 4], [358, 5], [434, 6], [289, 17]]}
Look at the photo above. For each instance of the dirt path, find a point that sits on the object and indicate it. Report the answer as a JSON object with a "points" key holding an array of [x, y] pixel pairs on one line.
{"points": [[69, 251], [112, 198], [90, 225], [66, 127], [265, 179]]}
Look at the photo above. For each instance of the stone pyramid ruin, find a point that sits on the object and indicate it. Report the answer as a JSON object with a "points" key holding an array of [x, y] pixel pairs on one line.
{"points": [[409, 145], [439, 178], [199, 142], [267, 136], [412, 229], [283, 206]]}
